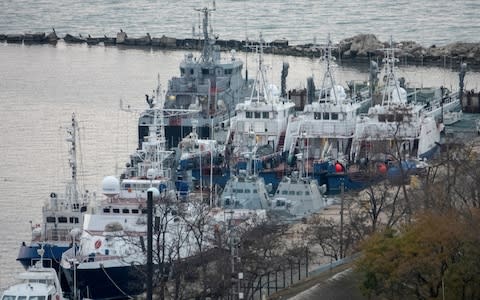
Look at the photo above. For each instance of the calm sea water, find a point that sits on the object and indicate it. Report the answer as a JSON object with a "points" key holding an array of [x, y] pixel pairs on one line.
{"points": [[299, 21], [42, 85]]}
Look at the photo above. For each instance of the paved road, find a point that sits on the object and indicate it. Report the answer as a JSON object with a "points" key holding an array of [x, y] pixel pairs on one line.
{"points": [[334, 284], [342, 285]]}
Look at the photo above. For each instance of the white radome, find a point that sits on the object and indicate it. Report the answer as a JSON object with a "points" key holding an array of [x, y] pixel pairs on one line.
{"points": [[110, 186], [155, 191]]}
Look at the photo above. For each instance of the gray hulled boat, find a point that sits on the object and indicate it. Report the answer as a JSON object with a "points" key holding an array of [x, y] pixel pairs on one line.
{"points": [[207, 91]]}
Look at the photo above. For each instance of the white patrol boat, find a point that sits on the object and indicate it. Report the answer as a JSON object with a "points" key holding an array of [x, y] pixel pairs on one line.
{"points": [[395, 129], [37, 283], [61, 213], [326, 126], [265, 114]]}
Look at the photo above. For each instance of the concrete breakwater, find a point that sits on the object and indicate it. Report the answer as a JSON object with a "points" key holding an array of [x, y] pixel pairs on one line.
{"points": [[359, 48]]}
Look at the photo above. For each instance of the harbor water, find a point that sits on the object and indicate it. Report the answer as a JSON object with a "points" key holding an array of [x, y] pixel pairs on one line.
{"points": [[300, 21], [42, 85]]}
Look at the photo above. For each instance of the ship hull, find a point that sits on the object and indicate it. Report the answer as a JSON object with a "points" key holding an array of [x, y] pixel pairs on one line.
{"points": [[101, 282], [28, 254]]}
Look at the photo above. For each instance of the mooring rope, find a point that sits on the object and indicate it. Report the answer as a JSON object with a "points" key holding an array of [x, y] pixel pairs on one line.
{"points": [[113, 282]]}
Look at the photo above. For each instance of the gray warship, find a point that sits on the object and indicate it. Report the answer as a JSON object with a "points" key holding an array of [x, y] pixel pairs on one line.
{"points": [[207, 90]]}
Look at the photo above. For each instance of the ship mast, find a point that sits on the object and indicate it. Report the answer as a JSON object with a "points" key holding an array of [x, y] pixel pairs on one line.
{"points": [[207, 52], [328, 79], [71, 189], [391, 82], [260, 90], [156, 138]]}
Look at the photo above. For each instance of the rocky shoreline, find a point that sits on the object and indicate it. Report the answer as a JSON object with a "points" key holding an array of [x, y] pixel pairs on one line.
{"points": [[359, 48]]}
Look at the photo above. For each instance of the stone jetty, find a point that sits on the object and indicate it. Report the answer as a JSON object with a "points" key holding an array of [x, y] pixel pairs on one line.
{"points": [[359, 48], [30, 38]]}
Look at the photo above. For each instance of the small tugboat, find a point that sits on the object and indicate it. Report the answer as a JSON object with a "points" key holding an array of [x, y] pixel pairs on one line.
{"points": [[37, 283], [60, 214]]}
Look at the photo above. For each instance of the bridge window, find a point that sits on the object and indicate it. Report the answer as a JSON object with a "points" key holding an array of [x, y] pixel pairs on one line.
{"points": [[106, 210], [50, 219], [116, 210], [257, 115], [135, 211], [248, 114], [73, 220], [291, 193], [62, 220], [334, 116], [265, 115], [144, 211], [284, 192], [326, 116], [307, 193], [125, 211], [317, 116], [299, 193]]}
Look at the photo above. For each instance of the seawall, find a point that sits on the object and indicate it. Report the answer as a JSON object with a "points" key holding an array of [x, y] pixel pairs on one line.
{"points": [[357, 49]]}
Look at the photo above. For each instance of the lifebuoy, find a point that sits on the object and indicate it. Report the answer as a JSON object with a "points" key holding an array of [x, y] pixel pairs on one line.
{"points": [[98, 243]]}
